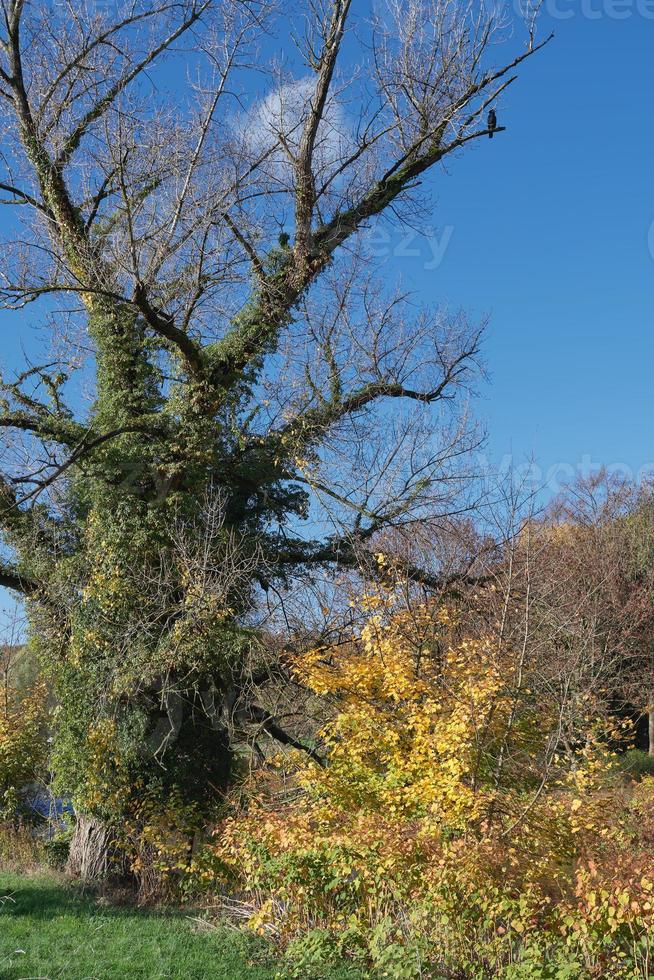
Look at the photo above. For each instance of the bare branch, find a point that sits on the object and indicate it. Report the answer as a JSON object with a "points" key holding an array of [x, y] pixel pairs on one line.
{"points": [[97, 111]]}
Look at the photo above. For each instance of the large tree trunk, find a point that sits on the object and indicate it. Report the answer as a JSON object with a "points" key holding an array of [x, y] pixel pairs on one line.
{"points": [[650, 719], [89, 849]]}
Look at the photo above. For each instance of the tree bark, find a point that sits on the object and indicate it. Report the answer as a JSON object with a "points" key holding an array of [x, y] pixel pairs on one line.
{"points": [[650, 727], [89, 854]]}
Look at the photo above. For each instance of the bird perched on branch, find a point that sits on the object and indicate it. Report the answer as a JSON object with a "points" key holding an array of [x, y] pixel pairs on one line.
{"points": [[492, 123]]}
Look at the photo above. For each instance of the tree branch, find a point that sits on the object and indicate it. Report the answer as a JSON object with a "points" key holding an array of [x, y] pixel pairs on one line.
{"points": [[258, 325], [63, 431], [274, 729], [165, 327], [98, 110], [24, 197], [305, 195], [11, 578]]}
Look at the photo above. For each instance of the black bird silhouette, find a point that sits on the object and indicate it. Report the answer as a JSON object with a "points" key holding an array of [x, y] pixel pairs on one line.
{"points": [[492, 123]]}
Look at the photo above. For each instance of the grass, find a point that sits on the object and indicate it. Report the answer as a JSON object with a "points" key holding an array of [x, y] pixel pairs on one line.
{"points": [[51, 931]]}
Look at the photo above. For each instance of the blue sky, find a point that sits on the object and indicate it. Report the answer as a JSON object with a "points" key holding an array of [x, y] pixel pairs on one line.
{"points": [[550, 236], [548, 230]]}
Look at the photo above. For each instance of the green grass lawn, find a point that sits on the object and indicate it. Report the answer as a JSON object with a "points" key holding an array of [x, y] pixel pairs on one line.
{"points": [[50, 930]]}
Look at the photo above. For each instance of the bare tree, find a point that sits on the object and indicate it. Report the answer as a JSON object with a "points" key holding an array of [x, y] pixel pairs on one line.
{"points": [[564, 590], [204, 252]]}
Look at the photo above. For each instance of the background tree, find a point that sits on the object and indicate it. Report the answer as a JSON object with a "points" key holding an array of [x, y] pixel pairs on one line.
{"points": [[568, 586], [212, 333]]}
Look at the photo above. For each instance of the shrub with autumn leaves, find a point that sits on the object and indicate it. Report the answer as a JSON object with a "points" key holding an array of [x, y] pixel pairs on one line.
{"points": [[23, 743], [448, 835]]}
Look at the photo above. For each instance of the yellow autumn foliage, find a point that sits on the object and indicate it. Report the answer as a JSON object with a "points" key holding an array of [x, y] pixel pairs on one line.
{"points": [[23, 742], [405, 739], [418, 850]]}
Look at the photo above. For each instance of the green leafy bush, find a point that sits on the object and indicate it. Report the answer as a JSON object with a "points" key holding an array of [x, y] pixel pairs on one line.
{"points": [[56, 849]]}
